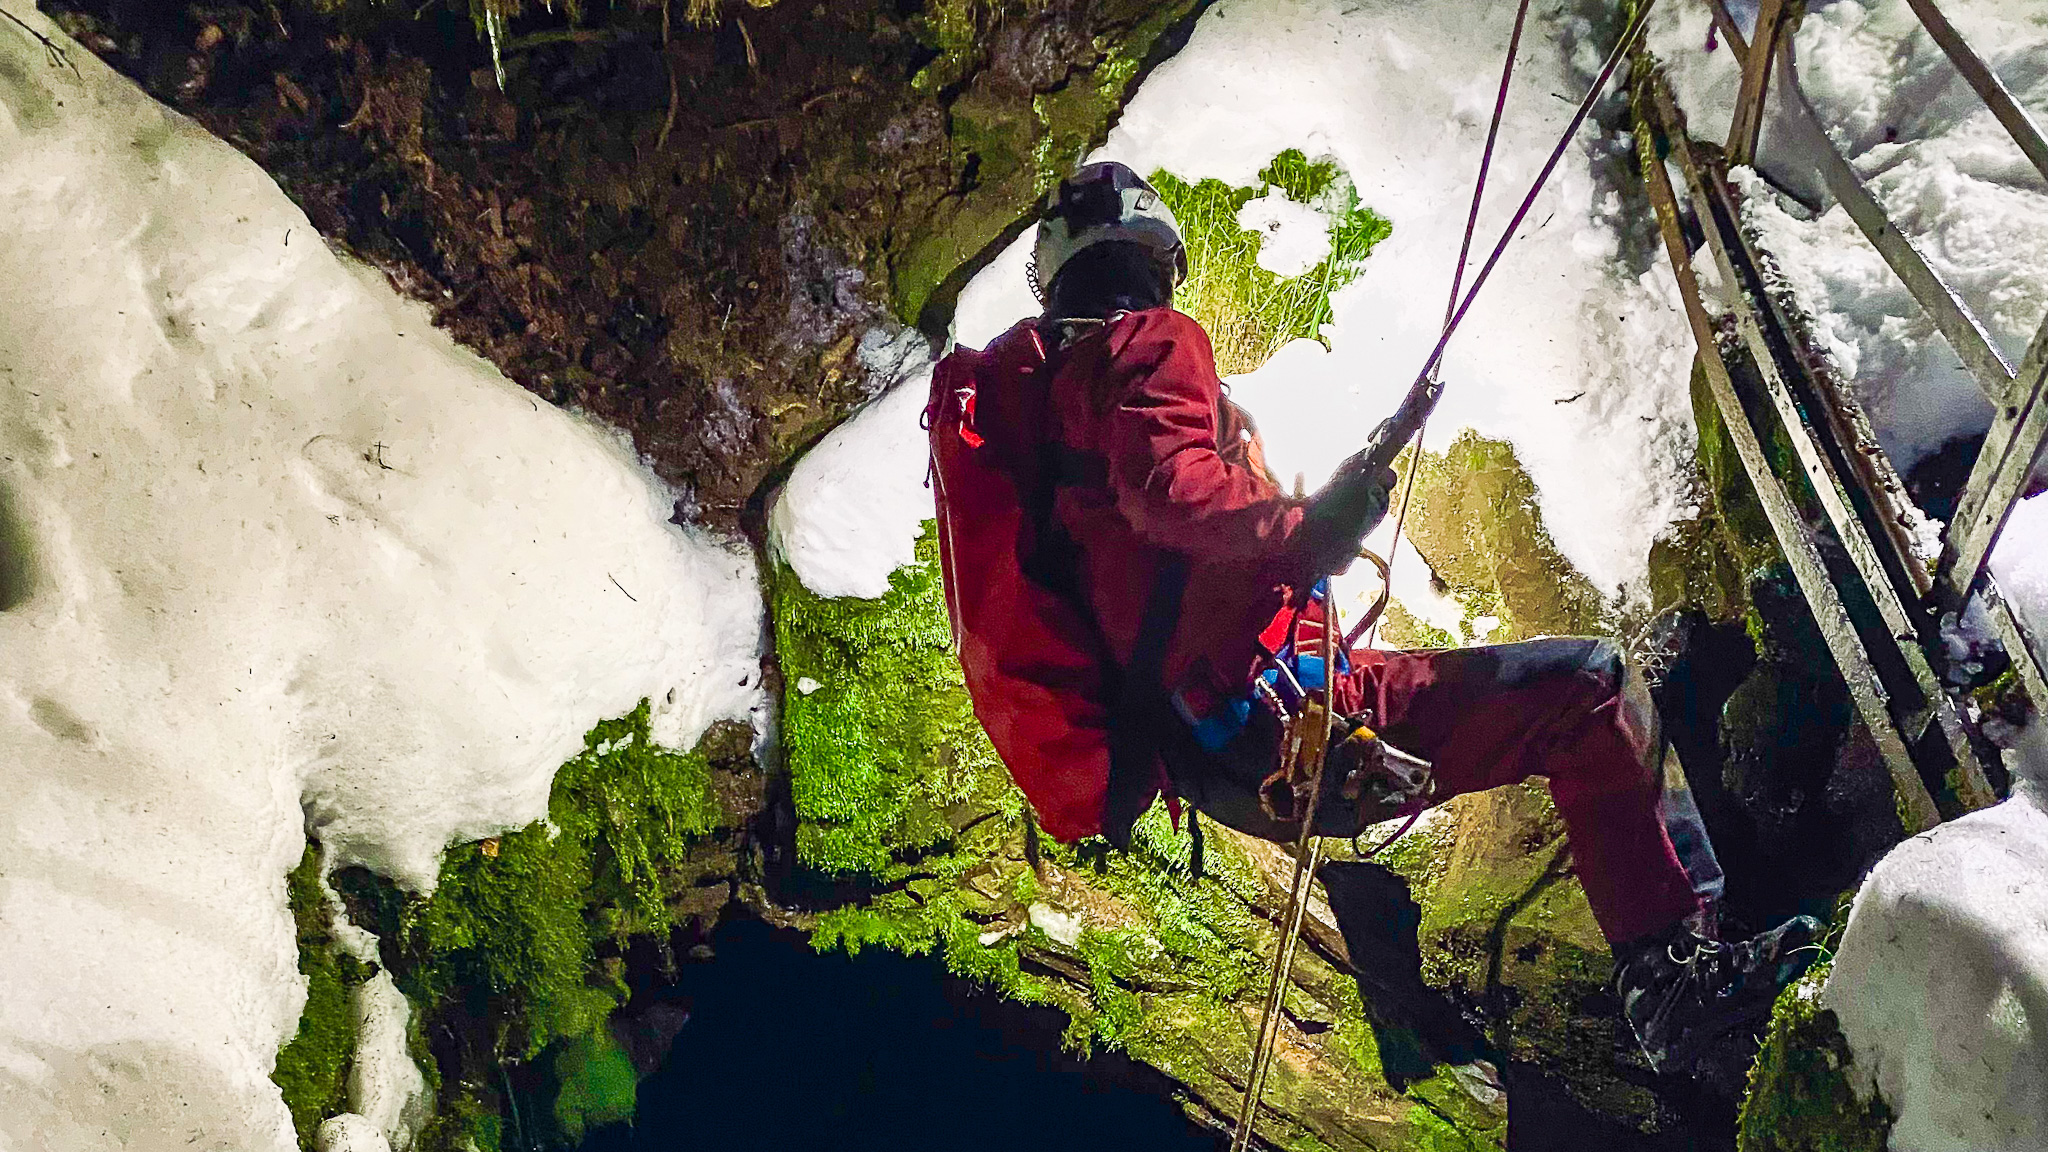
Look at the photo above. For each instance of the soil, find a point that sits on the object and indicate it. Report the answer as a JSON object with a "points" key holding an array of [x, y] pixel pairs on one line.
{"points": [[682, 230]]}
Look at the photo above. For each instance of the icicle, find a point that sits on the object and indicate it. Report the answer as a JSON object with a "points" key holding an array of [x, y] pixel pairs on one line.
{"points": [[494, 27]]}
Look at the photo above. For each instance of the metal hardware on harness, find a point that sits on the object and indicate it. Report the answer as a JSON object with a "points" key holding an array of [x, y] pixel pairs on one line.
{"points": [[1381, 776], [1308, 851]]}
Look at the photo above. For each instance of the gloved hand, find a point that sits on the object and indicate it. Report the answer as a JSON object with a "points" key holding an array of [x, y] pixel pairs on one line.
{"points": [[1343, 512]]}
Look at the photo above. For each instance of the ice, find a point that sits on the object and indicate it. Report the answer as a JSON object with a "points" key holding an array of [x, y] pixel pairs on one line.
{"points": [[274, 554]]}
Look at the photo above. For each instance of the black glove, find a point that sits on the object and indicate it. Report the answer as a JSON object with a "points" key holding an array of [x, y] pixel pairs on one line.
{"points": [[1343, 512]]}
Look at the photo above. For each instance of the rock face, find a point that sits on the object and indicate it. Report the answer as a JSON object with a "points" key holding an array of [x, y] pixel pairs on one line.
{"points": [[680, 228]]}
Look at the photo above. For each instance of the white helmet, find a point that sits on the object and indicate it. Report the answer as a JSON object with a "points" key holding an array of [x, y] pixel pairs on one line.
{"points": [[1103, 202]]}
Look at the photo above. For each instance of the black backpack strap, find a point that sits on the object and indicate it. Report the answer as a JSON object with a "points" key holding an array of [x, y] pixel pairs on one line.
{"points": [[1141, 707]]}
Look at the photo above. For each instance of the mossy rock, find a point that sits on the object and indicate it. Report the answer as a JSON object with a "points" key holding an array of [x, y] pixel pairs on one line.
{"points": [[1475, 517], [592, 1083], [516, 959], [312, 1068], [1802, 1097], [904, 810], [679, 217]]}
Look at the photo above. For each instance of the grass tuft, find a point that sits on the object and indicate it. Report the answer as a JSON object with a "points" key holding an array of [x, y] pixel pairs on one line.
{"points": [[1248, 311]]}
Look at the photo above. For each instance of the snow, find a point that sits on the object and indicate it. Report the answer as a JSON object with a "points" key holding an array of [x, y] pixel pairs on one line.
{"points": [[853, 507], [1941, 980], [278, 556], [1293, 238], [1938, 162], [386, 1090], [349, 1132], [1062, 927], [1577, 352]]}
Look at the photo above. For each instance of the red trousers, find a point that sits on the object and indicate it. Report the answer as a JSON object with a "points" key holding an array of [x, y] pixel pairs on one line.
{"points": [[1564, 708]]}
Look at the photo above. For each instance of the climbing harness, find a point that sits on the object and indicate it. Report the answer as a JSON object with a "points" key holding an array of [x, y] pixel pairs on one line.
{"points": [[1312, 728], [1318, 719]]}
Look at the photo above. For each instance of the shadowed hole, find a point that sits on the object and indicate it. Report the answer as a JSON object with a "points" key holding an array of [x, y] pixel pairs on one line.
{"points": [[17, 562]]}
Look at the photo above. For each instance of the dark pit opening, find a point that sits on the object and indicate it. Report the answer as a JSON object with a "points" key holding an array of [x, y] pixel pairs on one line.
{"points": [[788, 1048]]}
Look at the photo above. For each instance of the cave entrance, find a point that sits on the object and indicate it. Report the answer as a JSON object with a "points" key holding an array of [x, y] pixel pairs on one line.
{"points": [[784, 1047]]}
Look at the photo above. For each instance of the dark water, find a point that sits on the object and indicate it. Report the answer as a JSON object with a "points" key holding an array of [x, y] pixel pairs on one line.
{"points": [[786, 1049]]}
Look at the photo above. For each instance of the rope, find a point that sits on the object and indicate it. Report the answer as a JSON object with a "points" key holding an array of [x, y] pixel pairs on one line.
{"points": [[1308, 848], [1308, 852], [1500, 103]]}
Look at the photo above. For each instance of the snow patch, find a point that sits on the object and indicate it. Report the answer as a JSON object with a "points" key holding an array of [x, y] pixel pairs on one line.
{"points": [[1937, 161], [853, 507], [1293, 238], [1941, 980], [283, 557], [2020, 564], [1062, 928], [349, 1132]]}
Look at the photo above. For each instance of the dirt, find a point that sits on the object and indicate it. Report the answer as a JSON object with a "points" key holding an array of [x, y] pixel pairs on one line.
{"points": [[681, 230]]}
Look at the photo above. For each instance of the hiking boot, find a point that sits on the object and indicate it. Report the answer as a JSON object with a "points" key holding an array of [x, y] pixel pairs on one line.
{"points": [[1680, 991]]}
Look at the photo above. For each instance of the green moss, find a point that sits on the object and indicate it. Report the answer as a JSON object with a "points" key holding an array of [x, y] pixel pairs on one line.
{"points": [[1250, 312], [593, 1083], [1475, 516], [887, 762], [312, 1069], [515, 923], [1800, 1096], [515, 955], [1447, 1119]]}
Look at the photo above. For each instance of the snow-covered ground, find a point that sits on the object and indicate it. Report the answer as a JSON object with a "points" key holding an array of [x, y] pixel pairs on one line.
{"points": [[274, 554], [1944, 170], [1577, 351]]}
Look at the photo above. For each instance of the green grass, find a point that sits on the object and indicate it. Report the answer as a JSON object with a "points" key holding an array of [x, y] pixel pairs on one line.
{"points": [[1250, 312]]}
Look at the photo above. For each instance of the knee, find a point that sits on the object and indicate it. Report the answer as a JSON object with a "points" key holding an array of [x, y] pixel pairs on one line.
{"points": [[1605, 660]]}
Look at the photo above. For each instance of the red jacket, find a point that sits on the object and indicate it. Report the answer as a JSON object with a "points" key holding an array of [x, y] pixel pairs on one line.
{"points": [[1146, 462]]}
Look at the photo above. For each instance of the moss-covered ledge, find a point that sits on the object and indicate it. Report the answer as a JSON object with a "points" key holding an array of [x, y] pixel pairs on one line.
{"points": [[514, 965], [1802, 1095]]}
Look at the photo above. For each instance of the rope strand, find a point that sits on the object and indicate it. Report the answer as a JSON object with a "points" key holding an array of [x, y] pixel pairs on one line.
{"points": [[1500, 103], [1308, 850]]}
